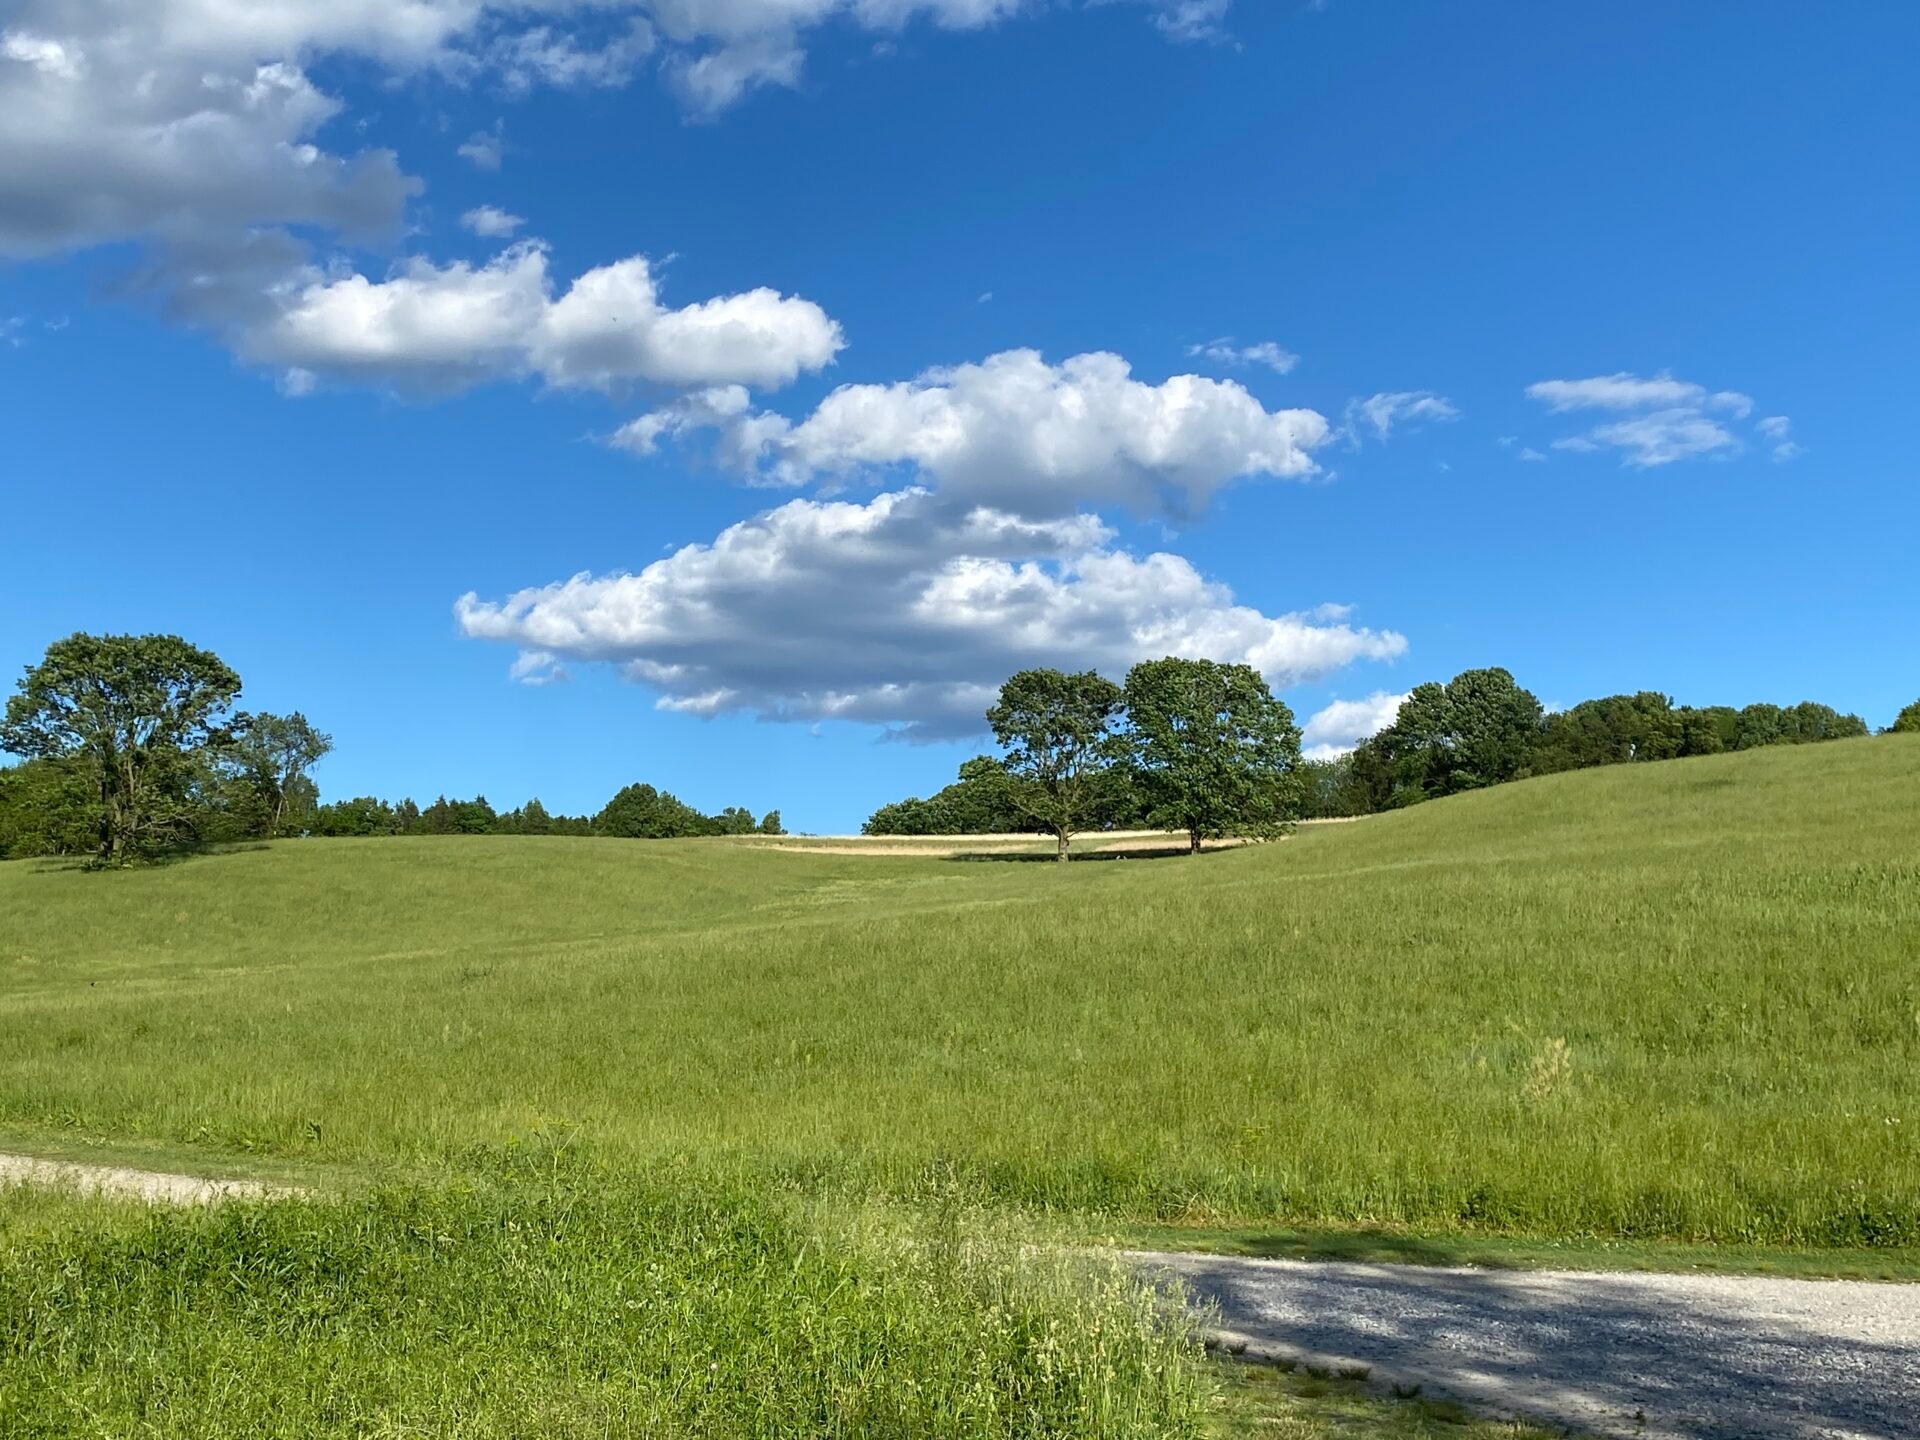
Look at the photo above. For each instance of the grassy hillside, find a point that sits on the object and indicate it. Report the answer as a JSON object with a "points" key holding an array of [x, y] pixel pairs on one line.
{"points": [[1679, 999]]}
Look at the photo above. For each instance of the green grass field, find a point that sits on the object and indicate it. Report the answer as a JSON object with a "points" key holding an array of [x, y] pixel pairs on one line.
{"points": [[1679, 1000], [1676, 1003]]}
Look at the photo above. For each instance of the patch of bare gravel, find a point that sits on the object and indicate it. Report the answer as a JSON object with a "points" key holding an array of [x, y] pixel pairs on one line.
{"points": [[149, 1185], [1653, 1357]]}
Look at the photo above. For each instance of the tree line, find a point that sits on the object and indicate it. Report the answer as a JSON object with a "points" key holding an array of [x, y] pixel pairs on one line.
{"points": [[1184, 745], [132, 746], [1480, 728]]}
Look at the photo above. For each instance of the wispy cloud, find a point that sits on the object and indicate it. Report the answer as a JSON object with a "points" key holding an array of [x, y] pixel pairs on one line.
{"points": [[490, 222], [484, 149], [1392, 409], [1225, 352], [1777, 431], [1665, 419]]}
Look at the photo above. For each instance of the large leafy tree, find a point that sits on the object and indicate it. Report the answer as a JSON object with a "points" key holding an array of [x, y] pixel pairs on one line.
{"points": [[1907, 722], [640, 812], [131, 709], [1213, 752], [271, 755], [1480, 728], [1058, 733]]}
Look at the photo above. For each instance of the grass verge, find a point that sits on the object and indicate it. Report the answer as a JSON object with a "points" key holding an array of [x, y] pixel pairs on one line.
{"points": [[556, 1297]]}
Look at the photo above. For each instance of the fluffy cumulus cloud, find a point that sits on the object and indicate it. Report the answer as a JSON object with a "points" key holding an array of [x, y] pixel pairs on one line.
{"points": [[434, 328], [904, 611], [1331, 732], [1019, 434], [1660, 419], [1397, 409], [115, 128]]}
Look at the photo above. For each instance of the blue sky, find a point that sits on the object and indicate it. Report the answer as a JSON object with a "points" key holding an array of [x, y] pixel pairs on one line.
{"points": [[857, 353]]}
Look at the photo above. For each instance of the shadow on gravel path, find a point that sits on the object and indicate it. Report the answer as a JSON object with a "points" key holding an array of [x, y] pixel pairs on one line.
{"points": [[1707, 1357]]}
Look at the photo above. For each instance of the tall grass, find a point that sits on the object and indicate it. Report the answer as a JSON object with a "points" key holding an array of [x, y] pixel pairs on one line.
{"points": [[566, 1302], [1674, 1000]]}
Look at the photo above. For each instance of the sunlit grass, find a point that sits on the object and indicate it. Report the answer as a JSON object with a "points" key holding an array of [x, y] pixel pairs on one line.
{"points": [[552, 1298], [1674, 1000]]}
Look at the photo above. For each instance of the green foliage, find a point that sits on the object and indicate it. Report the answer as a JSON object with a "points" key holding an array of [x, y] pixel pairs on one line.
{"points": [[1802, 724], [457, 817], [1611, 731], [1478, 729], [1212, 751], [640, 812], [733, 820], [48, 807], [530, 819], [1058, 734], [364, 816], [554, 1297], [131, 709], [270, 755], [1332, 790], [978, 803], [1907, 722]]}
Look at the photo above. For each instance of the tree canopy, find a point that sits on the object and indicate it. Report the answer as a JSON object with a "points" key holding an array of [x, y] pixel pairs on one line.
{"points": [[130, 709], [1058, 733], [1212, 751]]}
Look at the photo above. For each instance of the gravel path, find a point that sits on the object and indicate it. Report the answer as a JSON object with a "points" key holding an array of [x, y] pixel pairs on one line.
{"points": [[1696, 1356], [140, 1184]]}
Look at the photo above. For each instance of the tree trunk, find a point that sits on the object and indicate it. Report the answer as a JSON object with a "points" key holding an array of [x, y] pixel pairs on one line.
{"points": [[1062, 855], [1193, 842]]}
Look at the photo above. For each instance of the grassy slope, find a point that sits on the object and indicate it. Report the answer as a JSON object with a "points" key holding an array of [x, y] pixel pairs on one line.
{"points": [[1676, 1000]]}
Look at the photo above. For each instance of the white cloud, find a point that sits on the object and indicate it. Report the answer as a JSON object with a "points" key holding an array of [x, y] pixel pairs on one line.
{"points": [[1334, 730], [125, 120], [1189, 20], [537, 667], [1657, 438], [1777, 431], [545, 56], [1615, 392], [1224, 352], [1399, 407], [717, 79], [1029, 438], [485, 149], [1678, 420], [904, 611], [114, 134], [444, 327], [490, 222]]}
